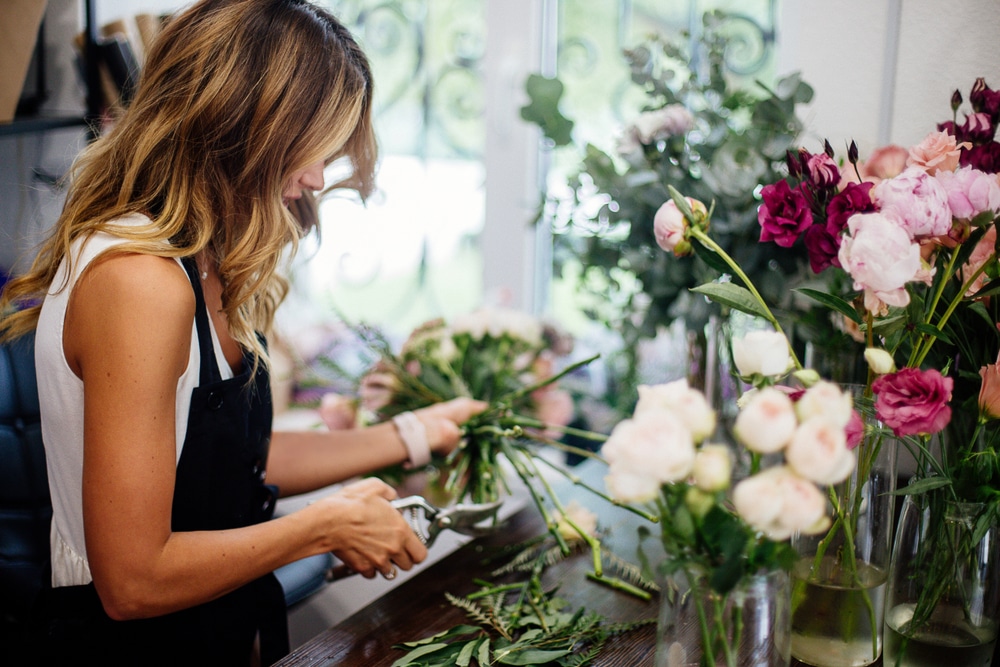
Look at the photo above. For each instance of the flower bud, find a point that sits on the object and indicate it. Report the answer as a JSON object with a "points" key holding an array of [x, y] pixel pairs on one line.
{"points": [[807, 376], [880, 361], [827, 148], [852, 152], [956, 100], [713, 468]]}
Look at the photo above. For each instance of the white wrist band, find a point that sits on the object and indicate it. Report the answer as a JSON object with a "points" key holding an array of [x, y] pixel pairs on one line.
{"points": [[413, 433]]}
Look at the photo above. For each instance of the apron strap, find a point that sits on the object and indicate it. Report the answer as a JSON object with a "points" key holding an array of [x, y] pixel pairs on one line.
{"points": [[210, 371]]}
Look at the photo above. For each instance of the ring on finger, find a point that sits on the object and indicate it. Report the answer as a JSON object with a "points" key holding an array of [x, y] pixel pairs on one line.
{"points": [[391, 574]]}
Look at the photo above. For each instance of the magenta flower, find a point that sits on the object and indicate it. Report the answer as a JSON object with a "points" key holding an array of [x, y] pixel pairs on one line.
{"points": [[822, 248], [913, 401], [784, 214], [854, 198], [855, 430], [822, 171]]}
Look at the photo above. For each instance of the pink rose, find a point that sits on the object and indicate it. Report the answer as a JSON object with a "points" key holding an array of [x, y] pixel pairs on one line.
{"points": [[818, 451], [918, 201], [783, 215], [645, 452], [938, 150], [913, 401], [779, 503], [854, 432], [970, 192], [989, 392], [884, 162], [980, 255], [880, 258]]}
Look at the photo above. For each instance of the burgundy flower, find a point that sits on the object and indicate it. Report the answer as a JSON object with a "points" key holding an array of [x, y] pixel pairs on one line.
{"points": [[984, 157], [784, 214], [854, 198], [822, 172], [913, 401], [948, 127], [977, 128], [822, 248], [984, 99]]}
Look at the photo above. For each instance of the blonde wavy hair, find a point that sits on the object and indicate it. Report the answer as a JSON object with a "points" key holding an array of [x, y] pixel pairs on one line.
{"points": [[234, 97]]}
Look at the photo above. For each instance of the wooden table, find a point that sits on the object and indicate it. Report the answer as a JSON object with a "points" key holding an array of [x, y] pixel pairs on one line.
{"points": [[417, 608]]}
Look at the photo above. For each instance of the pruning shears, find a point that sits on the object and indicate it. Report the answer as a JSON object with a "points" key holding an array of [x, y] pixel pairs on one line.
{"points": [[427, 521]]}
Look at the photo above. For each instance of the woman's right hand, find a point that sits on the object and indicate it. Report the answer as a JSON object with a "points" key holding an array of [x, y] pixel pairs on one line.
{"points": [[364, 530]]}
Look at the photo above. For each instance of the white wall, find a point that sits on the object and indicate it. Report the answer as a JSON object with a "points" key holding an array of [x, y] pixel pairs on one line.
{"points": [[884, 70]]}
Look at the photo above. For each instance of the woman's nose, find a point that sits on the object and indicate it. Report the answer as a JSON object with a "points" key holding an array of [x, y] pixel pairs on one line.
{"points": [[312, 176]]}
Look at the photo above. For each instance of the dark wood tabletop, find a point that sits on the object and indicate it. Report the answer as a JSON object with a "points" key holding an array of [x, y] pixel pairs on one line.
{"points": [[417, 608]]}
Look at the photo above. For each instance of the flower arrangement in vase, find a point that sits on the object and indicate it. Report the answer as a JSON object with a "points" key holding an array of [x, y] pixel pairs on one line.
{"points": [[724, 544], [910, 256]]}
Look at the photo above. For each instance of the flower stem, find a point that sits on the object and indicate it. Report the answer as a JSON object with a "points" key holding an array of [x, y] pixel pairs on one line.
{"points": [[708, 242]]}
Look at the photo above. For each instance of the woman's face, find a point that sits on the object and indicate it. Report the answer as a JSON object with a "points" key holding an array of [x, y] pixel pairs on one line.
{"points": [[309, 178]]}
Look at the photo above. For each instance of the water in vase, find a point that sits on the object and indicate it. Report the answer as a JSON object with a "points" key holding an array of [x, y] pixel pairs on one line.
{"points": [[947, 640], [832, 614]]}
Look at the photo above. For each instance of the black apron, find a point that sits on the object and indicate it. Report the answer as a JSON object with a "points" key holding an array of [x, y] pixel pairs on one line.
{"points": [[219, 485]]}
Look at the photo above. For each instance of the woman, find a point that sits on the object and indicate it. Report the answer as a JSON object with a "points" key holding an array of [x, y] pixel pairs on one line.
{"points": [[156, 413]]}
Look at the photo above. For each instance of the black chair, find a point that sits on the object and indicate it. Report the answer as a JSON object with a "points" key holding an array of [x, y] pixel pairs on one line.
{"points": [[25, 506]]}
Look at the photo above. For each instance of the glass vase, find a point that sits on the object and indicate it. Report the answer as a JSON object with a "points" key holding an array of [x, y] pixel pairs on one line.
{"points": [[747, 627], [839, 581], [943, 600]]}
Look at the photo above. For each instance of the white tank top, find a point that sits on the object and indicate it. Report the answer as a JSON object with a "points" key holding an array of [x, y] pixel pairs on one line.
{"points": [[60, 395]]}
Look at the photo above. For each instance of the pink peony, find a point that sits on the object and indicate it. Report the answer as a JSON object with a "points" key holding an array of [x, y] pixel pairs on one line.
{"points": [[913, 401], [783, 215], [918, 201], [880, 258], [970, 192], [938, 151], [670, 226]]}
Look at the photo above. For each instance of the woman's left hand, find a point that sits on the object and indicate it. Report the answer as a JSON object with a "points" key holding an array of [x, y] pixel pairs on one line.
{"points": [[443, 422]]}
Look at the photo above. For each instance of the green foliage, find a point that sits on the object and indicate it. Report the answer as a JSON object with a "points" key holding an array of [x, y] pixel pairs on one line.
{"points": [[738, 143], [517, 623]]}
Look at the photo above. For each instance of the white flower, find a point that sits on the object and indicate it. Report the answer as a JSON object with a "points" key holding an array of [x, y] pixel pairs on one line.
{"points": [[879, 360], [687, 404], [828, 400], [768, 421], [818, 451], [762, 353], [645, 452], [779, 503], [713, 468], [497, 322], [671, 120]]}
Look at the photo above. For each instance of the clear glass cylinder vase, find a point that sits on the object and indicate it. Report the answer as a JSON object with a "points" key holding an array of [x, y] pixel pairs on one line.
{"points": [[839, 581], [943, 599], [747, 627]]}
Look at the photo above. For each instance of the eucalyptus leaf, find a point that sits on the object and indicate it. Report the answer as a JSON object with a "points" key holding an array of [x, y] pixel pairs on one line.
{"points": [[532, 657]]}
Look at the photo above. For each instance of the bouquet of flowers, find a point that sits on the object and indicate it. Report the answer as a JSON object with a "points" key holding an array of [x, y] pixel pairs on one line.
{"points": [[714, 536], [908, 241], [506, 359]]}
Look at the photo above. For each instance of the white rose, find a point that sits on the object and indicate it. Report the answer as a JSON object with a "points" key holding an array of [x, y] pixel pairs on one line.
{"points": [[825, 399], [713, 468], [879, 360], [687, 404], [818, 451], [762, 353], [655, 446], [767, 422], [779, 503]]}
